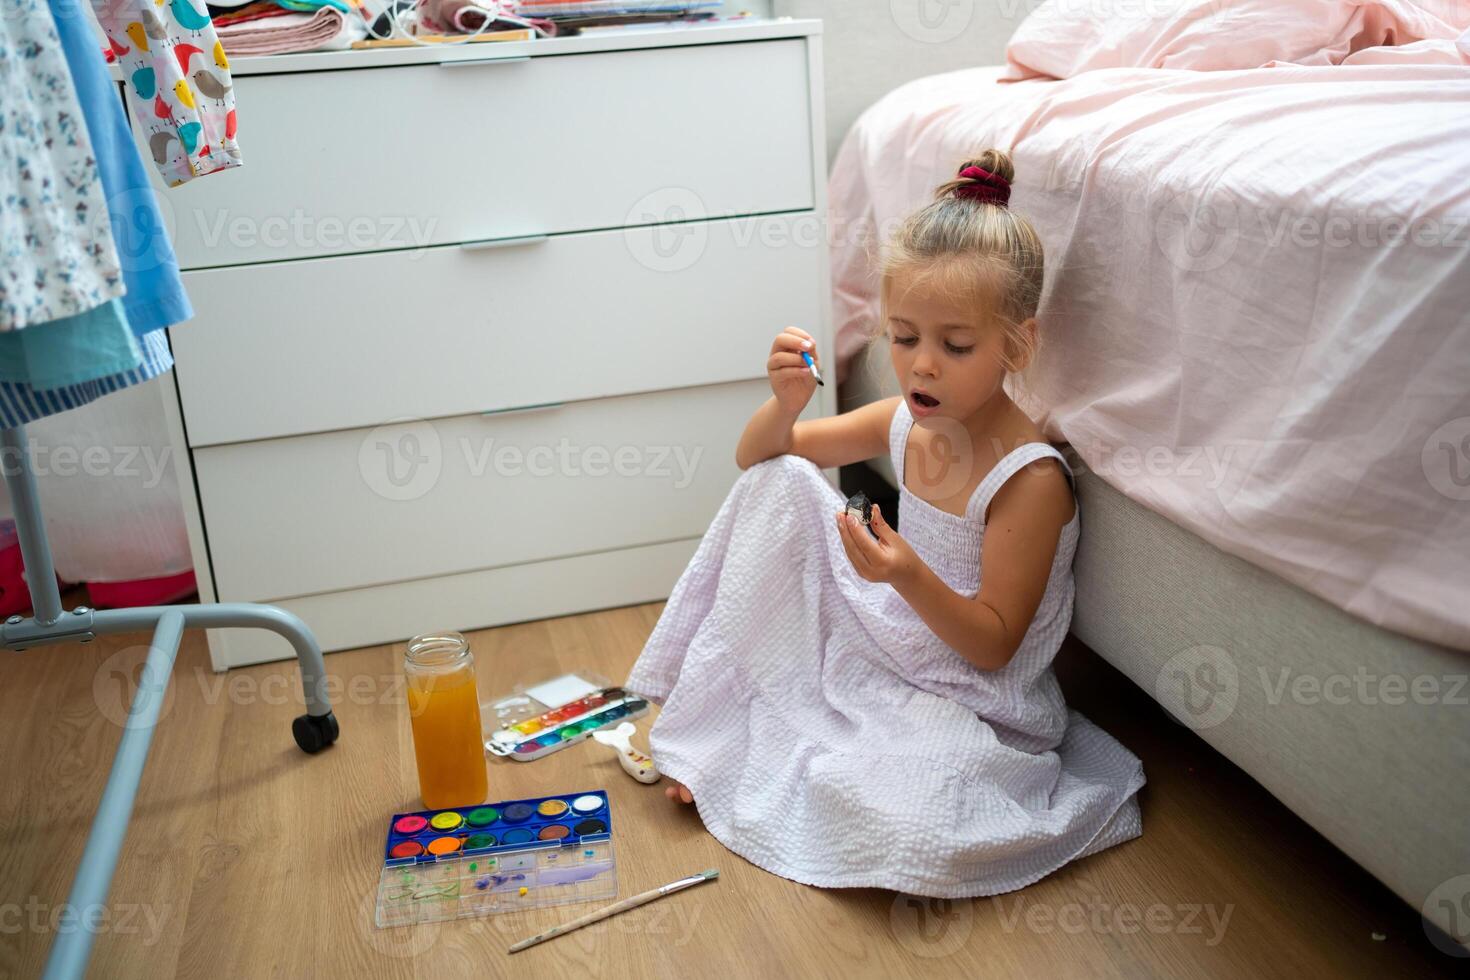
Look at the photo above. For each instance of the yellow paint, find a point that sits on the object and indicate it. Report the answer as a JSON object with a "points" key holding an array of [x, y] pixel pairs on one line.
{"points": [[446, 821]]}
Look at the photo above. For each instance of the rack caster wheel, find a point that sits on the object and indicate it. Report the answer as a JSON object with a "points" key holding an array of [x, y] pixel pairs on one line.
{"points": [[315, 732]]}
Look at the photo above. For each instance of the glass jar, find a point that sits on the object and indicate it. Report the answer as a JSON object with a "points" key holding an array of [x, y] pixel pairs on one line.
{"points": [[444, 709]]}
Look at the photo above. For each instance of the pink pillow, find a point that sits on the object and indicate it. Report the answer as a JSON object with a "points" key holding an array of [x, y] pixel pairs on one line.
{"points": [[1063, 38]]}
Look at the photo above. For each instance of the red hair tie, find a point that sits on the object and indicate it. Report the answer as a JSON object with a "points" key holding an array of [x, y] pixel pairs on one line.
{"points": [[988, 187]]}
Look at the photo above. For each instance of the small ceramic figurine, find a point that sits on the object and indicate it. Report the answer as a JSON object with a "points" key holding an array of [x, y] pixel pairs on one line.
{"points": [[859, 506], [634, 763]]}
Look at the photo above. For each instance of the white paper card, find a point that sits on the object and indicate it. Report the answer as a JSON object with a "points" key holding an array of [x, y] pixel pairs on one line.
{"points": [[561, 690]]}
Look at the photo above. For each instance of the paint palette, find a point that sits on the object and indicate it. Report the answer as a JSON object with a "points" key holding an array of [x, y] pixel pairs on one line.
{"points": [[531, 728], [500, 857]]}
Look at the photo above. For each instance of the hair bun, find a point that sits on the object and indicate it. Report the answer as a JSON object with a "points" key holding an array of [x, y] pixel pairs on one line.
{"points": [[987, 178]]}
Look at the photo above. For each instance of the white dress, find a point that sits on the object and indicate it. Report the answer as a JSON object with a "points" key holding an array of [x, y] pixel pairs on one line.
{"points": [[830, 737]]}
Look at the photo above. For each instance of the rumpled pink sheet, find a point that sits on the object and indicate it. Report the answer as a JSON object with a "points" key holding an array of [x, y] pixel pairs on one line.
{"points": [[1063, 38], [1257, 314]]}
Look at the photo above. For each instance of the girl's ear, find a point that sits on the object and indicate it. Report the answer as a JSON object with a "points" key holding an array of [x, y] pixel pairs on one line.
{"points": [[1022, 345]]}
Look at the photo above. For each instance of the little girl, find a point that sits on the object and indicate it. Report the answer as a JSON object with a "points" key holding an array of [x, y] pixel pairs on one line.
{"points": [[850, 707]]}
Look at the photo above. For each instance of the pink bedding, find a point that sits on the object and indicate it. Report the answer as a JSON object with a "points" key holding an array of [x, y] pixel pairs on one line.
{"points": [[1257, 316]]}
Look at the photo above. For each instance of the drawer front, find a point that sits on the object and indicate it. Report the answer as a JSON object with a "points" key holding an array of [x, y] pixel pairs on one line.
{"points": [[298, 347], [342, 162], [344, 510]]}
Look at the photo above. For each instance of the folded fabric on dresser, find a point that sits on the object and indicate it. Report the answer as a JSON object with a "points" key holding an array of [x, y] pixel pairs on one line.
{"points": [[261, 31]]}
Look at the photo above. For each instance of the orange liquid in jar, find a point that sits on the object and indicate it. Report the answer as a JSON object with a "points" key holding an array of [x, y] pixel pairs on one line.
{"points": [[444, 709]]}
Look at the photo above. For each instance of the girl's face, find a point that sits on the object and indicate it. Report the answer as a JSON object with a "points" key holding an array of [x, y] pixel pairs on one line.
{"points": [[947, 362]]}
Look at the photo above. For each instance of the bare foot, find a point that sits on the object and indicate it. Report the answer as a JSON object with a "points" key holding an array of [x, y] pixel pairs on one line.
{"points": [[678, 792]]}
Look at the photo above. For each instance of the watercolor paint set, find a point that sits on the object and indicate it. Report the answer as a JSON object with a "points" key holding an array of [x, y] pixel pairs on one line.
{"points": [[499, 857], [550, 716]]}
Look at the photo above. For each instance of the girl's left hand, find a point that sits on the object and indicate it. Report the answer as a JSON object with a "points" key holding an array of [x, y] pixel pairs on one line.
{"points": [[888, 559]]}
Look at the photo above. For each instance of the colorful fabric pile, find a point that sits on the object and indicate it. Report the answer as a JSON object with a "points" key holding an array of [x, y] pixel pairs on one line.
{"points": [[287, 26], [573, 15]]}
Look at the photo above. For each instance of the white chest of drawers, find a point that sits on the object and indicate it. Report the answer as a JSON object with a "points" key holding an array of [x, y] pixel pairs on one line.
{"points": [[477, 330]]}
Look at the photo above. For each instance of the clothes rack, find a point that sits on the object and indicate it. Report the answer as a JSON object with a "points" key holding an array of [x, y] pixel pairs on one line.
{"points": [[51, 624]]}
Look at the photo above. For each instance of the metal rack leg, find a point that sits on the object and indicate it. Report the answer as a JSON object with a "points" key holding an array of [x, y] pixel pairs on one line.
{"points": [[71, 950], [313, 731], [35, 550]]}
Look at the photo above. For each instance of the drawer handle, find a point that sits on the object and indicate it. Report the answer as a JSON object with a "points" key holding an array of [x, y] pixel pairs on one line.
{"points": [[461, 62], [524, 408], [488, 243]]}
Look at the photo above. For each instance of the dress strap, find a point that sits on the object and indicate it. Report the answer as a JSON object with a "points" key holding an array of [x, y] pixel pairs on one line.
{"points": [[898, 437], [1010, 464]]}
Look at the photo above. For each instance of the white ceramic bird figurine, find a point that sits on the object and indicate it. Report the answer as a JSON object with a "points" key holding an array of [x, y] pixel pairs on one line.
{"points": [[634, 763]]}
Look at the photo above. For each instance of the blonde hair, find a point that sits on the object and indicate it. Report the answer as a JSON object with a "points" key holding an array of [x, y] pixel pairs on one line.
{"points": [[965, 241]]}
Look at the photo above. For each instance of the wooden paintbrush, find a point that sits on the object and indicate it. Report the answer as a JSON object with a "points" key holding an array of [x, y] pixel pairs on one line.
{"points": [[616, 907]]}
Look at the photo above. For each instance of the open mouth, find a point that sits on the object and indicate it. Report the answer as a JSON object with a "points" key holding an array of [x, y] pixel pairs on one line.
{"points": [[923, 399]]}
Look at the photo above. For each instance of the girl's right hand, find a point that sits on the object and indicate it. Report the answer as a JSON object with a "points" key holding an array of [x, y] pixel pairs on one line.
{"points": [[791, 382]]}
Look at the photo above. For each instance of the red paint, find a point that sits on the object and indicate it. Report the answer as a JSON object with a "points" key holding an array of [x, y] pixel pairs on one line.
{"points": [[407, 849]]}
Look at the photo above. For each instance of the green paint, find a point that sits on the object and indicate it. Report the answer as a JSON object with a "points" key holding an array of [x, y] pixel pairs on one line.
{"points": [[483, 816]]}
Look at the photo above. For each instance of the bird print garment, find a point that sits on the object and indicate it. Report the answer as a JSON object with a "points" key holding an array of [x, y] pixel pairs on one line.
{"points": [[179, 78]]}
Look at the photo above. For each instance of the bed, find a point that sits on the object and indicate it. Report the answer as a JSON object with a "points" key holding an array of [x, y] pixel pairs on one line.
{"points": [[1257, 348]]}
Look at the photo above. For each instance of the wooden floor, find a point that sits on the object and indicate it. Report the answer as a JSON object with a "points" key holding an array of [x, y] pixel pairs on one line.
{"points": [[246, 858]]}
